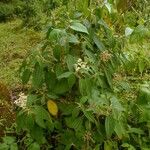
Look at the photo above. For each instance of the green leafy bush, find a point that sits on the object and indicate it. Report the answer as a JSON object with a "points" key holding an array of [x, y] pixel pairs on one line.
{"points": [[73, 101]]}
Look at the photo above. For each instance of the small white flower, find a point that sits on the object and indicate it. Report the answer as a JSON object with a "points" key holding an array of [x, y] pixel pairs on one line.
{"points": [[83, 66], [21, 101], [79, 60], [77, 69]]}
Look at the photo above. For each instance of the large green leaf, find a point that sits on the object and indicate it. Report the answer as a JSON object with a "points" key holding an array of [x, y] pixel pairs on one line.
{"points": [[32, 99], [34, 146], [4, 146], [38, 76], [70, 62], [108, 77], [85, 86], [56, 34], [50, 79], [90, 116], [65, 75], [73, 39], [141, 66], [41, 115], [144, 96], [109, 126], [26, 76], [116, 104], [57, 52], [71, 80], [108, 145], [79, 27], [98, 43], [61, 87], [38, 134], [14, 146], [75, 123], [119, 129]]}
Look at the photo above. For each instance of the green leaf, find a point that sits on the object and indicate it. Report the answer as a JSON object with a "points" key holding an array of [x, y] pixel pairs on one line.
{"points": [[79, 27], [29, 121], [66, 109], [71, 80], [103, 23], [98, 43], [73, 39], [65, 75], [70, 62], [108, 77], [14, 146], [130, 147], [21, 120], [108, 6], [56, 34], [119, 129], [26, 76], [141, 66], [31, 99], [136, 130], [75, 112], [85, 86], [82, 86], [37, 77], [89, 115], [41, 115], [145, 115], [38, 134], [57, 52], [4, 146], [97, 147], [143, 96], [61, 87], [116, 104], [108, 145], [34, 146], [50, 79], [84, 99], [9, 140], [75, 123], [58, 69], [25, 121], [109, 126]]}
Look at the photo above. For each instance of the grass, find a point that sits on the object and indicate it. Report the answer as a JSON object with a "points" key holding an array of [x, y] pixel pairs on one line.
{"points": [[14, 44]]}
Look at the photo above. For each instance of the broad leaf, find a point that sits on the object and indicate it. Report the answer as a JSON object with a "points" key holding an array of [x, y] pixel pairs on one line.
{"points": [[79, 27], [38, 76], [41, 115], [65, 75], [109, 126], [26, 76]]}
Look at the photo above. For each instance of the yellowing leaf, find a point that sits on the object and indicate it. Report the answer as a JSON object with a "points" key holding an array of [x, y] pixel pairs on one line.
{"points": [[52, 107]]}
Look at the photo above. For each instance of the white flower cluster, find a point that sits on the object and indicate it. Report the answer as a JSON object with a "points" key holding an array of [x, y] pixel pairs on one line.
{"points": [[21, 101], [81, 65]]}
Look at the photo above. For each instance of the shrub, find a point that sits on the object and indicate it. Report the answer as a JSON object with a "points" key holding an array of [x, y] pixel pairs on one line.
{"points": [[73, 101]]}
